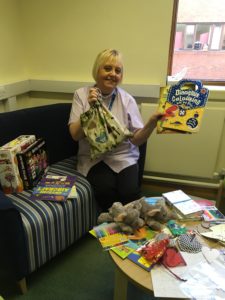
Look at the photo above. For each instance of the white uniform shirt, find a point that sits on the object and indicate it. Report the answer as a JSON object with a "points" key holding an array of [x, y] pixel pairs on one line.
{"points": [[126, 111]]}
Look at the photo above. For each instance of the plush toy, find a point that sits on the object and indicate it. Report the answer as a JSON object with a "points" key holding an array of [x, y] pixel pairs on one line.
{"points": [[116, 213], [136, 214], [127, 217], [105, 217], [131, 221], [155, 215]]}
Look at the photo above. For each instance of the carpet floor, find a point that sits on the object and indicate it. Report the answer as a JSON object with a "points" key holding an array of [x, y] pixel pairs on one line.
{"points": [[82, 272]]}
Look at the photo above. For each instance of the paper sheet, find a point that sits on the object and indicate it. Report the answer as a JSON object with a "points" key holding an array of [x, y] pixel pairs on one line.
{"points": [[217, 232], [204, 280], [165, 284]]}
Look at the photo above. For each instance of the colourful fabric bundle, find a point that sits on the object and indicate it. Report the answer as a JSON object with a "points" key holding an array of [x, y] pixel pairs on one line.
{"points": [[102, 129]]}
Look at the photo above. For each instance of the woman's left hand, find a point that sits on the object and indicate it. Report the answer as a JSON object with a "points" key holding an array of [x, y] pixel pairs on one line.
{"points": [[155, 117]]}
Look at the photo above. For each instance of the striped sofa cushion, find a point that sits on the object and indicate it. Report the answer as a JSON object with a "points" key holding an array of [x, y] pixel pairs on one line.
{"points": [[51, 227]]}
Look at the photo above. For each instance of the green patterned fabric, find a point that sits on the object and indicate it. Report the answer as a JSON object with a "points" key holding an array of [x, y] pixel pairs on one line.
{"points": [[102, 129]]}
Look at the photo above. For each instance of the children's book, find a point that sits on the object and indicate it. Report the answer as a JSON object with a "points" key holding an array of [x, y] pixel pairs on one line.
{"points": [[142, 234], [10, 176], [162, 108], [140, 261], [205, 202], [113, 240], [54, 188], [124, 250], [104, 229], [211, 213], [182, 203], [61, 180], [183, 106], [154, 200], [33, 163]]}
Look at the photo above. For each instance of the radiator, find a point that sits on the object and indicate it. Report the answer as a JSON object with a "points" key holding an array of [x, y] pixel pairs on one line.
{"points": [[186, 155]]}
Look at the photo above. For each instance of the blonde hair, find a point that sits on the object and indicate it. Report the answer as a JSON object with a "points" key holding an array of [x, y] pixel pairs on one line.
{"points": [[102, 57]]}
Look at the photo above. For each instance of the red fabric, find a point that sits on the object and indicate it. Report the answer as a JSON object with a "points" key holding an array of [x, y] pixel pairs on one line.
{"points": [[173, 258], [154, 251]]}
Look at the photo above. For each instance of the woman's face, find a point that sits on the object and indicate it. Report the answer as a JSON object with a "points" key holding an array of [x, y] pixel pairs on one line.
{"points": [[109, 76]]}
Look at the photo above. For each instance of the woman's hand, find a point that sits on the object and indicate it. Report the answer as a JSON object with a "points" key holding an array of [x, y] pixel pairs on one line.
{"points": [[155, 117], [93, 95]]}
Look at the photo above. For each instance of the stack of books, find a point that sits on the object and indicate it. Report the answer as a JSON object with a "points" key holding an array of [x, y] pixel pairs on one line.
{"points": [[183, 204], [125, 246], [10, 176], [55, 188], [33, 163]]}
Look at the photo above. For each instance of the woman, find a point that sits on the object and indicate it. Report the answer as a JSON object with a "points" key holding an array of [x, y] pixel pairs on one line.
{"points": [[114, 175]]}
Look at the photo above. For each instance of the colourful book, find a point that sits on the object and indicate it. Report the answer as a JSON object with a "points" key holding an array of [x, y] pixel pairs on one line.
{"points": [[183, 105], [211, 213], [57, 180], [182, 203], [124, 250], [10, 176], [54, 188], [140, 261], [33, 163], [153, 200], [61, 180], [205, 202], [104, 229], [142, 234], [113, 240]]}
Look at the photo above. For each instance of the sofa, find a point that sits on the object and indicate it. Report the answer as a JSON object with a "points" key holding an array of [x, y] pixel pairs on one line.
{"points": [[33, 232]]}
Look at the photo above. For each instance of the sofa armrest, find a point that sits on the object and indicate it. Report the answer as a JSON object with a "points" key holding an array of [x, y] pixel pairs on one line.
{"points": [[5, 203], [13, 251]]}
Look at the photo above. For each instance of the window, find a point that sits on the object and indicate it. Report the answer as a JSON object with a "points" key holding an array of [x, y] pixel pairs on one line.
{"points": [[198, 40]]}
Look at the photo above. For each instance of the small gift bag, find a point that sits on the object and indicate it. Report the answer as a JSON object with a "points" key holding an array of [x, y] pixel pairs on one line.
{"points": [[102, 129]]}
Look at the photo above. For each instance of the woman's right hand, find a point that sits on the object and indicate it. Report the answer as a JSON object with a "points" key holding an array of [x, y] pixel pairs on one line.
{"points": [[93, 95]]}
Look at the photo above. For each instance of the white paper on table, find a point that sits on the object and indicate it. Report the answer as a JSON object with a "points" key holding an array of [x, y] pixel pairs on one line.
{"points": [[176, 196], [217, 232], [206, 280], [165, 284]]}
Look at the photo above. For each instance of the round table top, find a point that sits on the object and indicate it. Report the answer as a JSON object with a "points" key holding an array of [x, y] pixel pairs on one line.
{"points": [[141, 277]]}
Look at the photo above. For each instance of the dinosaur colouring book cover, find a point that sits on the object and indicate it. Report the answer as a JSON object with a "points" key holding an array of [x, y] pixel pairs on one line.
{"points": [[183, 106]]}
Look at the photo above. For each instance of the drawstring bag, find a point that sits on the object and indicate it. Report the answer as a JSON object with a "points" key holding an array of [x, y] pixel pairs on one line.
{"points": [[102, 129]]}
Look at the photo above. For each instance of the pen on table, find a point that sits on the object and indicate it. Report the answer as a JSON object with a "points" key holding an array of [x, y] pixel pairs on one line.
{"points": [[192, 237], [219, 221]]}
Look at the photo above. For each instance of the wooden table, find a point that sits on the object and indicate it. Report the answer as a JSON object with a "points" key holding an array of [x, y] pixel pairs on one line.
{"points": [[126, 271]]}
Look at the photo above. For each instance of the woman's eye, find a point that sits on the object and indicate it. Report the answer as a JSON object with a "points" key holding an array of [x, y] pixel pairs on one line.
{"points": [[118, 71], [107, 68]]}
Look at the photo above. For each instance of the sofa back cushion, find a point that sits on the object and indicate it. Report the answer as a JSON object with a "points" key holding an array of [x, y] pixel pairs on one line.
{"points": [[49, 122]]}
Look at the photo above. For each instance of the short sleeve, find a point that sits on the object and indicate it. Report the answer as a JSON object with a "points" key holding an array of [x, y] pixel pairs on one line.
{"points": [[134, 116], [79, 105]]}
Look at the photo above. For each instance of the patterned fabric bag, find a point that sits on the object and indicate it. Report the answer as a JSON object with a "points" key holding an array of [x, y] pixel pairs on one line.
{"points": [[102, 129]]}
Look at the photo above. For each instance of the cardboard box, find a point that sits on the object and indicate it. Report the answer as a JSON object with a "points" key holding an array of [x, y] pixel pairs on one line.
{"points": [[10, 179]]}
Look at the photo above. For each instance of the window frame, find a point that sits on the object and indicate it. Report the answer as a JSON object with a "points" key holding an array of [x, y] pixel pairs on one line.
{"points": [[171, 47]]}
